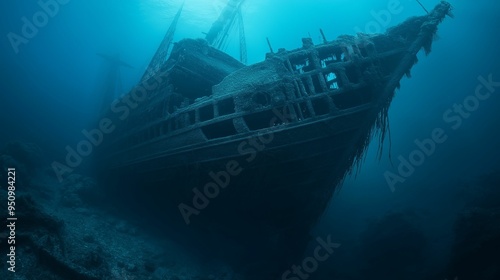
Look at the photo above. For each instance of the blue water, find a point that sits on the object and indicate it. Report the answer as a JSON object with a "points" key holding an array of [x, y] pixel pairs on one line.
{"points": [[50, 86]]}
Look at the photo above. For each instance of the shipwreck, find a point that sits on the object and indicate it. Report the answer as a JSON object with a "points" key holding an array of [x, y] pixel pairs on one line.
{"points": [[256, 151]]}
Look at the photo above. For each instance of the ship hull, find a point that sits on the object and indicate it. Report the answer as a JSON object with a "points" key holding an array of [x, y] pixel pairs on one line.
{"points": [[269, 197], [248, 157]]}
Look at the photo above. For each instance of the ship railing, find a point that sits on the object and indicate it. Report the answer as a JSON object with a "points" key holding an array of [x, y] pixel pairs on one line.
{"points": [[320, 91]]}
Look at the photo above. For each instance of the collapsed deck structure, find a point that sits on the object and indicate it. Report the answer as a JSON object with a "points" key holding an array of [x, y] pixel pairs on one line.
{"points": [[256, 152]]}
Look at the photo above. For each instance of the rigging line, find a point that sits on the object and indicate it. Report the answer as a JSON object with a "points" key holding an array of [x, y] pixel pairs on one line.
{"points": [[418, 1]]}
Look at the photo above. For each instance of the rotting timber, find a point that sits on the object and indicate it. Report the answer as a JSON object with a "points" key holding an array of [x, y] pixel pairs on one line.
{"points": [[294, 125]]}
